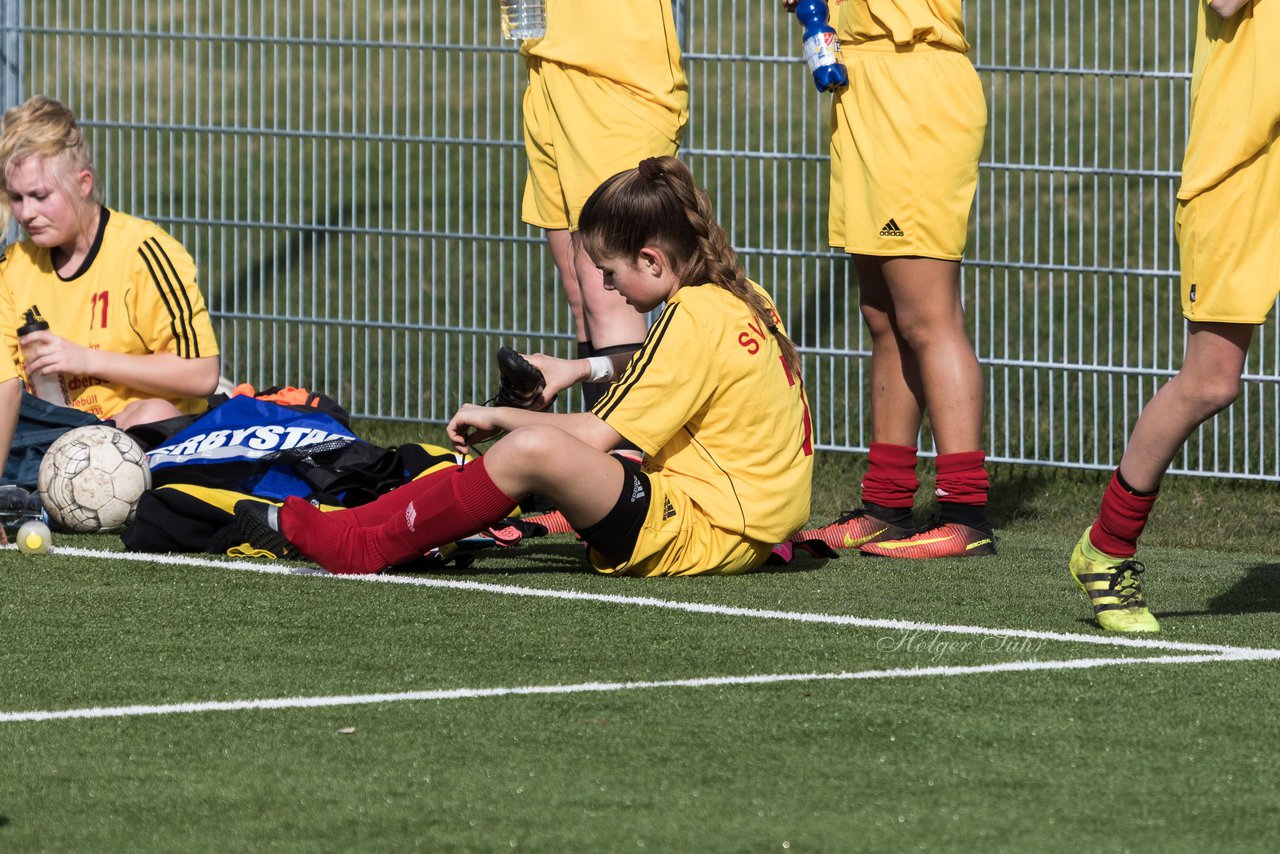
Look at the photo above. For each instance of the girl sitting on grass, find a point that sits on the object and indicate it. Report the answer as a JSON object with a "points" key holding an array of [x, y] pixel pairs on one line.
{"points": [[713, 398], [128, 332]]}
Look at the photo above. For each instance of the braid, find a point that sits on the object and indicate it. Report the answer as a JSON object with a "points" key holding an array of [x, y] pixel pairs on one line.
{"points": [[658, 203], [717, 262]]}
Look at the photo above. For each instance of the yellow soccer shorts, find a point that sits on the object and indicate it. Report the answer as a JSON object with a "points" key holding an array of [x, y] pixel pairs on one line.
{"points": [[677, 538], [580, 129], [906, 136], [1229, 240]]}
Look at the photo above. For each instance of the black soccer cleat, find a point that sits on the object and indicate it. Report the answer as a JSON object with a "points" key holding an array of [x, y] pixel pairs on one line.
{"points": [[521, 383], [259, 524]]}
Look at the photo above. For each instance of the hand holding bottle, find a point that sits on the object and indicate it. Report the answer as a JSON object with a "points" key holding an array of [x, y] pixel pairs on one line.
{"points": [[821, 47], [53, 354], [42, 358]]}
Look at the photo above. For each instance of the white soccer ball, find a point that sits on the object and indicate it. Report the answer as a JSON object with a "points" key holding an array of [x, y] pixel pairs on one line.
{"points": [[91, 479]]}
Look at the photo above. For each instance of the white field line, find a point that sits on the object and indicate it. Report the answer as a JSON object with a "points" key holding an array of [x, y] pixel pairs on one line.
{"points": [[274, 568], [605, 687]]}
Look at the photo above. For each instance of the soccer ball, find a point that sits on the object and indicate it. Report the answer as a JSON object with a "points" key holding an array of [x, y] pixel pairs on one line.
{"points": [[91, 479]]}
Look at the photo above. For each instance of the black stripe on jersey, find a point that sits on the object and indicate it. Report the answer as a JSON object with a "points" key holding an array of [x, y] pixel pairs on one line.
{"points": [[183, 298], [173, 295], [635, 370]]}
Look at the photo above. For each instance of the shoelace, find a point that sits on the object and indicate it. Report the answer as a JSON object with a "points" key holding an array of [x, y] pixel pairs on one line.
{"points": [[1126, 583], [850, 515]]}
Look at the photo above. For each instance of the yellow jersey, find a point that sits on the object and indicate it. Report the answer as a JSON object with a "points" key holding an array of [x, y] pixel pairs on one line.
{"points": [[901, 22], [1235, 93], [631, 42], [135, 294], [713, 406]]}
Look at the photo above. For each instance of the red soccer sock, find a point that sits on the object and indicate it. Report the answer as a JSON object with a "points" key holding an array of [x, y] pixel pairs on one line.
{"points": [[962, 478], [962, 488], [891, 479], [389, 504], [440, 510], [1122, 518]]}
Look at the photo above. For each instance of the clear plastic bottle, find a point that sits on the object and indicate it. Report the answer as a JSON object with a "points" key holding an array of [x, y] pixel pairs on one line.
{"points": [[48, 387], [821, 47], [524, 19]]}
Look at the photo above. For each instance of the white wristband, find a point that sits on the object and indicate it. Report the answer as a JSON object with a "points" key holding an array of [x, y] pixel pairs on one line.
{"points": [[601, 368]]}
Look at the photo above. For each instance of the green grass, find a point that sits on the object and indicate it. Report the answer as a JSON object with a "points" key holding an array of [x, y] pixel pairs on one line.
{"points": [[1170, 757]]}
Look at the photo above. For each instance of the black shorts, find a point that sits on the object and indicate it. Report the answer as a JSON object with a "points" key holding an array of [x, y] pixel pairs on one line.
{"points": [[615, 535]]}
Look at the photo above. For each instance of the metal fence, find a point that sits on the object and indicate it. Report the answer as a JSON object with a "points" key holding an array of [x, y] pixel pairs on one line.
{"points": [[348, 176]]}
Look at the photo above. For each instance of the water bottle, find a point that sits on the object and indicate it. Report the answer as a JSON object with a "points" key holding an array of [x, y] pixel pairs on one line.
{"points": [[821, 47], [524, 19], [48, 387]]}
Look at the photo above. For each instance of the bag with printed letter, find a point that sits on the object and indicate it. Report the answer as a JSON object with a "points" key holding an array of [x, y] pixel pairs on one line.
{"points": [[251, 445]]}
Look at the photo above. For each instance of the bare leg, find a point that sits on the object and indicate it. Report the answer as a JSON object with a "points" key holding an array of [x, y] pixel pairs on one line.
{"points": [[897, 398], [1207, 383], [560, 243], [583, 482], [928, 318], [603, 318], [600, 317], [145, 412]]}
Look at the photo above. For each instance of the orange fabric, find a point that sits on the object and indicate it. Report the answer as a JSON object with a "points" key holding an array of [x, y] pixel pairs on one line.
{"points": [[286, 396]]}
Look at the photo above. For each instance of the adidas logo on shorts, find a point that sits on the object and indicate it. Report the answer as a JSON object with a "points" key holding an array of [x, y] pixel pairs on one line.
{"points": [[891, 229]]}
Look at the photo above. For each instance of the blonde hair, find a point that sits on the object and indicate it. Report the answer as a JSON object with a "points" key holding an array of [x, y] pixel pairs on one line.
{"points": [[658, 204], [44, 128]]}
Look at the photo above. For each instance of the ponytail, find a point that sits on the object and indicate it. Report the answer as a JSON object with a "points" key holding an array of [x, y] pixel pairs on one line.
{"points": [[658, 204]]}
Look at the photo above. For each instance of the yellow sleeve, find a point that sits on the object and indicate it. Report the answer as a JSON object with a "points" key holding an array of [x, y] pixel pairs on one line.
{"points": [[166, 307], [667, 382], [1235, 94]]}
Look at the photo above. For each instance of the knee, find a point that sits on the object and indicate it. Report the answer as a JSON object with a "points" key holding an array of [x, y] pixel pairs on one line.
{"points": [[145, 412], [917, 333], [878, 320], [922, 332], [524, 459], [523, 449], [1211, 396]]}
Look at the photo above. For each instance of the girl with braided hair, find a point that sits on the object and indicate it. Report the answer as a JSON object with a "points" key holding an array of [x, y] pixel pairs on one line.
{"points": [[713, 397]]}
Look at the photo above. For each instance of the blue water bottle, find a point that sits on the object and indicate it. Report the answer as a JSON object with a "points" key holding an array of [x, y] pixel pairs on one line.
{"points": [[821, 47]]}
